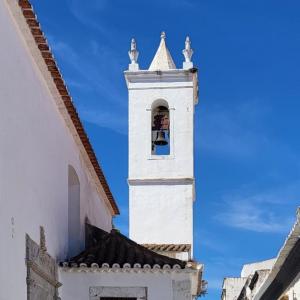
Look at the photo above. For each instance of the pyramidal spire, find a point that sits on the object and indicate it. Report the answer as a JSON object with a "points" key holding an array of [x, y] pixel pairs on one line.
{"points": [[162, 60]]}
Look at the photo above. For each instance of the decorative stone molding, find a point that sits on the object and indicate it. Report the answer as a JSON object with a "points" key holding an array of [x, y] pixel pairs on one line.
{"points": [[126, 268], [187, 53], [43, 239], [161, 181], [41, 271], [133, 55], [97, 292]]}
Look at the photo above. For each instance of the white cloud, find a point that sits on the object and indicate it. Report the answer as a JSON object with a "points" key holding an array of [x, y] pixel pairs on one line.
{"points": [[248, 216], [106, 119], [267, 212]]}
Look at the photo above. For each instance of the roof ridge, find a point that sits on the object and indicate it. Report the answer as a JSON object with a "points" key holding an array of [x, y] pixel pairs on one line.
{"points": [[168, 247]]}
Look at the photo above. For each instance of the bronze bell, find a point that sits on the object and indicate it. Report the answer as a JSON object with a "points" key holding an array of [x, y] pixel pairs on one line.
{"points": [[160, 139]]}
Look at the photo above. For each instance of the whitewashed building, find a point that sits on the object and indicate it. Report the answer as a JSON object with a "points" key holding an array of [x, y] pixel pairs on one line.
{"points": [[56, 233], [274, 279]]}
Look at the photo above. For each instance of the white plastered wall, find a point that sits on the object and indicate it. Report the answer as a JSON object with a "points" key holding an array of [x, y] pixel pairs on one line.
{"points": [[250, 269], [232, 287], [161, 214], [36, 148], [159, 286]]}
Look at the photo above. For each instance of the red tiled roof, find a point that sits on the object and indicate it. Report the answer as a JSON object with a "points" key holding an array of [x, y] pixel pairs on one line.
{"points": [[45, 51], [168, 247], [114, 248]]}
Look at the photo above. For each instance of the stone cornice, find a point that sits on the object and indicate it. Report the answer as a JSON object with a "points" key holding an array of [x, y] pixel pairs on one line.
{"points": [[166, 73], [160, 181], [178, 78]]}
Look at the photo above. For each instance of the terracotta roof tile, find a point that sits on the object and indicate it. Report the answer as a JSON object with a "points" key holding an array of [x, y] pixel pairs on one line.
{"points": [[32, 23], [44, 48], [114, 248], [168, 247]]}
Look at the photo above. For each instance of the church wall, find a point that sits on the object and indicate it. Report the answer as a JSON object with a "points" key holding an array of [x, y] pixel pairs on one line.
{"points": [[159, 286], [36, 150]]}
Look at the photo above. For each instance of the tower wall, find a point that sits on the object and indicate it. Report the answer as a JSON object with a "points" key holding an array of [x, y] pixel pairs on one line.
{"points": [[161, 187], [161, 214], [179, 164]]}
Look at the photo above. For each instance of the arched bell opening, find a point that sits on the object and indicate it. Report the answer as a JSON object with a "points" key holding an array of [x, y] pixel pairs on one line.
{"points": [[160, 130]]}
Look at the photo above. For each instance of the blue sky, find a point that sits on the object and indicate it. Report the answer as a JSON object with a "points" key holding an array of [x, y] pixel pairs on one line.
{"points": [[247, 120]]}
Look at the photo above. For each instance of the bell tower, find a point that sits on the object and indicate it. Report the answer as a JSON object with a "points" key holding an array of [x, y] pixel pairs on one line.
{"points": [[161, 147]]}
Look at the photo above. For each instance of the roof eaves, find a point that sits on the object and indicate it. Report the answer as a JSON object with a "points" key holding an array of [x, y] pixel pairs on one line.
{"points": [[126, 267]]}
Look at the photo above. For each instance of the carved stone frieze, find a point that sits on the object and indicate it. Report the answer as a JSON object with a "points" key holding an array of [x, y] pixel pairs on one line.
{"points": [[97, 292], [41, 271]]}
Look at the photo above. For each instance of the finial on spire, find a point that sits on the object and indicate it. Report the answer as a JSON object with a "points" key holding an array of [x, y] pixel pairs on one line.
{"points": [[187, 52], [133, 55], [42, 240], [163, 35]]}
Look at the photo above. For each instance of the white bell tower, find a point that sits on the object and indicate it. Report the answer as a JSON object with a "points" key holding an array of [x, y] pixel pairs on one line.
{"points": [[161, 147]]}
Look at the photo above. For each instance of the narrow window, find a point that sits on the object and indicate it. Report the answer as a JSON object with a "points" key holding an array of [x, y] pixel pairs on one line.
{"points": [[73, 213], [160, 143]]}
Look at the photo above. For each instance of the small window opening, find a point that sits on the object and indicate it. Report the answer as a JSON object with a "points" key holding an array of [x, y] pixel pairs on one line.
{"points": [[160, 143]]}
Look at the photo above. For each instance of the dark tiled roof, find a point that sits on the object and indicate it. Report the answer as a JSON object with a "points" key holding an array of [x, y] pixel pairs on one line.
{"points": [[168, 247], [42, 44], [114, 248]]}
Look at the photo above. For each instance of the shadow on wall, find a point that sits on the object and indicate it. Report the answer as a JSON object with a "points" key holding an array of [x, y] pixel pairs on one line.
{"points": [[73, 212]]}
